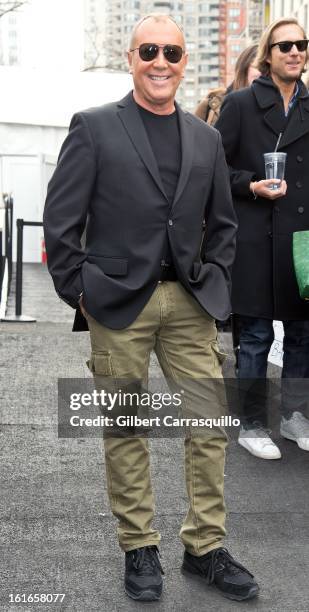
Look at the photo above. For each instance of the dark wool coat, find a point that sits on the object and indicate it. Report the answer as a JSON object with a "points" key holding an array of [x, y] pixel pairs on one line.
{"points": [[264, 283]]}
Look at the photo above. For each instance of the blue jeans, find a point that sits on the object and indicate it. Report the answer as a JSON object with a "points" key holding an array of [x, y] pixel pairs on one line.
{"points": [[256, 337]]}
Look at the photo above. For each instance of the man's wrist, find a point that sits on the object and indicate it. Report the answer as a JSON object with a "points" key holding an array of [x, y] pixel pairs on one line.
{"points": [[252, 189]]}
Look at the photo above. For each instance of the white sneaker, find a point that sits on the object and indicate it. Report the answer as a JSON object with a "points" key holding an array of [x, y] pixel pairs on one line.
{"points": [[258, 442], [297, 429]]}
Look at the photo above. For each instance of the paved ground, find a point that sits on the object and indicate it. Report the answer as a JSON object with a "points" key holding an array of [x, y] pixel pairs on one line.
{"points": [[57, 531]]}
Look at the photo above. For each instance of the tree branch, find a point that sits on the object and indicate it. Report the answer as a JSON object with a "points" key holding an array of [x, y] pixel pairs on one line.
{"points": [[10, 6]]}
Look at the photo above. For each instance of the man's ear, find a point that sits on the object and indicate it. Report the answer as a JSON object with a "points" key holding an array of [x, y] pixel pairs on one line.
{"points": [[268, 59], [129, 58], [185, 59]]}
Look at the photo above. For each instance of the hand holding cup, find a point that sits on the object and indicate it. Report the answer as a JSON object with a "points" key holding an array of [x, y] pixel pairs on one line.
{"points": [[264, 188]]}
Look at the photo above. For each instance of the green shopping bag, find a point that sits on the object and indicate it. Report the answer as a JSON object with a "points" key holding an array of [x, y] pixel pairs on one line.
{"points": [[301, 262]]}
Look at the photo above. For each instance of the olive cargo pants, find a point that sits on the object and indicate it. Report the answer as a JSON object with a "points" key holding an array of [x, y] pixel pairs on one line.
{"points": [[184, 337]]}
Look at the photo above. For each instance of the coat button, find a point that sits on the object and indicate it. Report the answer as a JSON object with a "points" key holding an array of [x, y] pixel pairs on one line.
{"points": [[300, 209], [276, 209], [170, 222], [299, 158], [270, 234], [298, 184]]}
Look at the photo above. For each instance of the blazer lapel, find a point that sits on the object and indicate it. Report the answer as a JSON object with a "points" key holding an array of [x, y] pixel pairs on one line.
{"points": [[298, 123], [186, 137], [268, 99], [275, 119], [133, 123]]}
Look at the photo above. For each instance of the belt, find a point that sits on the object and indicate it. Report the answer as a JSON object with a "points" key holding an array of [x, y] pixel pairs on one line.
{"points": [[168, 272]]}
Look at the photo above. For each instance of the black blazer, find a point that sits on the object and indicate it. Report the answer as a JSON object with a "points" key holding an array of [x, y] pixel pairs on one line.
{"points": [[107, 181]]}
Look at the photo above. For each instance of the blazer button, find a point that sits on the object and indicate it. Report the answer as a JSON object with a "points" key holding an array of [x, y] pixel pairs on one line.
{"points": [[270, 234], [300, 209], [299, 158], [298, 184], [170, 222]]}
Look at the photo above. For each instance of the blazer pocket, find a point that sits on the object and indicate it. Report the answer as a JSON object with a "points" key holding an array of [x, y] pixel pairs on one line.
{"points": [[196, 269], [112, 266]]}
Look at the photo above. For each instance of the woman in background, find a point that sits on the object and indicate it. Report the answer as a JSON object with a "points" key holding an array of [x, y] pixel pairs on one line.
{"points": [[245, 72]]}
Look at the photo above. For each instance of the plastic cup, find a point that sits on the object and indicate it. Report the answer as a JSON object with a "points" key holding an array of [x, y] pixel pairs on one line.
{"points": [[275, 167]]}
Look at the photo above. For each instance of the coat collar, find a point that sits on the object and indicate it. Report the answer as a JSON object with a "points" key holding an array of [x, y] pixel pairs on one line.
{"points": [[269, 99], [133, 123]]}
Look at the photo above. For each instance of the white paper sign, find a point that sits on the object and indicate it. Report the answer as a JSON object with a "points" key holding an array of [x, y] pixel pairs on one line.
{"points": [[276, 352]]}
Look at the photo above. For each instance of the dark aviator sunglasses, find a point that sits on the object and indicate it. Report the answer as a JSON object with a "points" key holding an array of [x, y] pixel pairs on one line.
{"points": [[149, 51], [285, 46]]}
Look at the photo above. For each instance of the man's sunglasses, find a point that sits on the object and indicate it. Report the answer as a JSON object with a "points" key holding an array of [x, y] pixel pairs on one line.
{"points": [[149, 51], [286, 45]]}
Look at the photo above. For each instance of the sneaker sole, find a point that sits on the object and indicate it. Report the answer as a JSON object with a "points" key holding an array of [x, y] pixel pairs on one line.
{"points": [[147, 595], [253, 591], [292, 438], [255, 454]]}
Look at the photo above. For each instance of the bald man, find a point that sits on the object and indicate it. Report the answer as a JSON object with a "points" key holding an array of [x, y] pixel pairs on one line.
{"points": [[149, 178]]}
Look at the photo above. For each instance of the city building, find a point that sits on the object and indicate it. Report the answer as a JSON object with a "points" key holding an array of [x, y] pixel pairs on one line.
{"points": [[291, 8], [258, 18], [233, 36], [200, 21], [95, 33], [10, 42]]}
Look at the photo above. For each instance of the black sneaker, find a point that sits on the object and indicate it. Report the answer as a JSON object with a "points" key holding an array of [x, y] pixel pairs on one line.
{"points": [[220, 569], [143, 577]]}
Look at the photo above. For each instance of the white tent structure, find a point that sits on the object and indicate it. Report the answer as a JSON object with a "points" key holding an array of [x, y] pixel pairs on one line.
{"points": [[35, 110]]}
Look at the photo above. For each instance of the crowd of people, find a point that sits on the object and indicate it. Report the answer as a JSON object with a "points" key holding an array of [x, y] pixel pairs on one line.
{"points": [[182, 228]]}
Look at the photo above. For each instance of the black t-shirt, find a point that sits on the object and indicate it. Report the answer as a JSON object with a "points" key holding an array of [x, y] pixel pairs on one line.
{"points": [[164, 137]]}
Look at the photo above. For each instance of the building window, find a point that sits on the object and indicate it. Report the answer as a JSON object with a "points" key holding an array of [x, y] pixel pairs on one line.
{"points": [[234, 12], [190, 21], [306, 17]]}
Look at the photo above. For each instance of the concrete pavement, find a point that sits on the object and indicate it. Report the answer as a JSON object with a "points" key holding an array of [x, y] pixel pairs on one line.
{"points": [[58, 534]]}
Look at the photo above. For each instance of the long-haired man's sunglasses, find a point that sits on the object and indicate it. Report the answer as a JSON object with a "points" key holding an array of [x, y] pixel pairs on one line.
{"points": [[285, 46], [149, 51]]}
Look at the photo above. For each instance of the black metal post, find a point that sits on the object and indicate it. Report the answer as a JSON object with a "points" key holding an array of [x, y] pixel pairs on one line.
{"points": [[19, 267], [20, 223], [8, 200], [10, 239]]}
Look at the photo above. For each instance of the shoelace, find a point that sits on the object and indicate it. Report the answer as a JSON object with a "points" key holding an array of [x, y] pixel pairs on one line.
{"points": [[262, 432], [220, 559], [145, 559]]}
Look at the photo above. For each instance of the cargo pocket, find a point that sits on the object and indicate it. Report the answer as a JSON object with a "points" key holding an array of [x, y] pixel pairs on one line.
{"points": [[219, 358], [218, 355], [100, 364]]}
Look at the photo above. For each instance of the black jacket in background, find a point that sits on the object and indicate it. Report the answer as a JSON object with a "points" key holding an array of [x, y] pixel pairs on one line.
{"points": [[251, 119]]}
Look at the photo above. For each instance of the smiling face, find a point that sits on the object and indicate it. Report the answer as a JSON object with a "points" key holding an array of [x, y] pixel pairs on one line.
{"points": [[156, 82], [286, 67]]}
